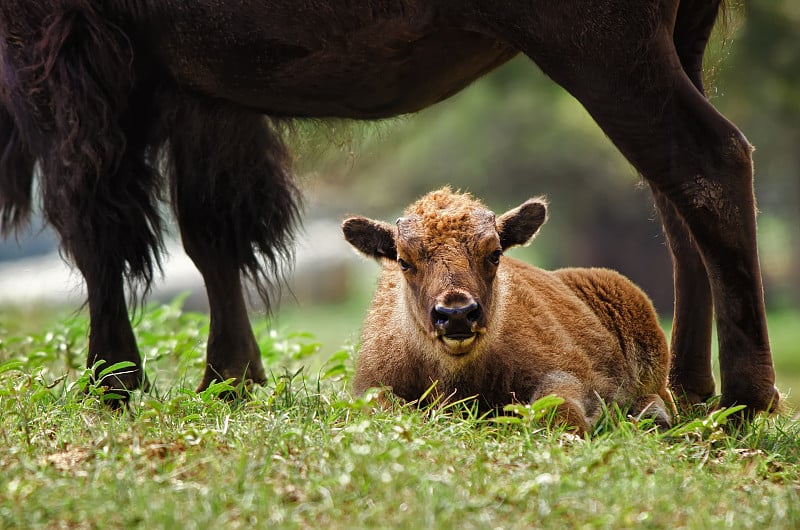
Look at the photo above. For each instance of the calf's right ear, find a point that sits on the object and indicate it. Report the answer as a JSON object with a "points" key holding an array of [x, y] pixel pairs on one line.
{"points": [[374, 239]]}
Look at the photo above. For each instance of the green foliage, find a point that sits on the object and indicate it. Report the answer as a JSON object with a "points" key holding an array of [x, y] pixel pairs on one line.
{"points": [[301, 451]]}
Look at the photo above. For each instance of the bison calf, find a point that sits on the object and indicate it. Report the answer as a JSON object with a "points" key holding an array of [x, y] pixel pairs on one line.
{"points": [[451, 309]]}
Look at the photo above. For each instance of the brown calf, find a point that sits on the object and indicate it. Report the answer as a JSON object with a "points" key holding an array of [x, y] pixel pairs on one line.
{"points": [[450, 309]]}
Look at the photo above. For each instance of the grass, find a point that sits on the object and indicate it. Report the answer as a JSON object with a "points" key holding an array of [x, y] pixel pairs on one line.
{"points": [[302, 452]]}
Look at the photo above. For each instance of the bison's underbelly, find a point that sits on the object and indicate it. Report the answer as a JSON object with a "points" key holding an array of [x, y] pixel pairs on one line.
{"points": [[381, 69]]}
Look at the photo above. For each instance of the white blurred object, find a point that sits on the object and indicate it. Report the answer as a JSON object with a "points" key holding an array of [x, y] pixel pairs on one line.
{"points": [[321, 273]]}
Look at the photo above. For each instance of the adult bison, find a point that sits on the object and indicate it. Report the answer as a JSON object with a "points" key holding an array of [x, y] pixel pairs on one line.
{"points": [[120, 103], [450, 310]]}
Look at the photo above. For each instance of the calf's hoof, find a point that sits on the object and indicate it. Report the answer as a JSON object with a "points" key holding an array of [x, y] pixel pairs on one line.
{"points": [[653, 407]]}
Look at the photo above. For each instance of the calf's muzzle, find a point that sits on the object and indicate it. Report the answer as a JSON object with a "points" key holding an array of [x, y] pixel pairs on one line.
{"points": [[457, 322]]}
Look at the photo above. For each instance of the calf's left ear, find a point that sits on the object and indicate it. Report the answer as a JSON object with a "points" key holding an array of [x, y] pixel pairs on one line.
{"points": [[374, 239], [518, 226]]}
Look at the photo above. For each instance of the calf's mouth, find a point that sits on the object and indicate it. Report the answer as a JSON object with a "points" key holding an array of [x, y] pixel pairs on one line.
{"points": [[460, 343]]}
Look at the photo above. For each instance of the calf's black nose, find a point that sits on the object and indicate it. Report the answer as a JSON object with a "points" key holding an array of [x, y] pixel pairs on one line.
{"points": [[455, 319]]}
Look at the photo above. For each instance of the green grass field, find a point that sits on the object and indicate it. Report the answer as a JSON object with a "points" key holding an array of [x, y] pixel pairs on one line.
{"points": [[302, 452]]}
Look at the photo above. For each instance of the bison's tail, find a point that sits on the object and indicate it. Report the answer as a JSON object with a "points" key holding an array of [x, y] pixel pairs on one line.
{"points": [[16, 176]]}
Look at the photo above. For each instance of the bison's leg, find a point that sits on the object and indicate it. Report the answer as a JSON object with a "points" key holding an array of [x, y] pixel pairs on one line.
{"points": [[691, 376], [232, 351], [111, 338], [236, 205], [622, 65], [70, 92], [109, 225], [709, 184]]}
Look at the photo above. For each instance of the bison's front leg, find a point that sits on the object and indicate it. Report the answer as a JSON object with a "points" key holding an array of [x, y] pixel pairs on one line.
{"points": [[111, 338], [654, 407], [105, 237], [236, 206], [109, 226], [71, 94]]}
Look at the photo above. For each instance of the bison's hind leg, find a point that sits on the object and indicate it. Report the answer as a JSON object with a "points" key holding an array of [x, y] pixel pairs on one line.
{"points": [[236, 205]]}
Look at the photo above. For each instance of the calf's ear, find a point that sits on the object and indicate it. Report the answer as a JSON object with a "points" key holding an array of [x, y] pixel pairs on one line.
{"points": [[518, 226], [374, 239]]}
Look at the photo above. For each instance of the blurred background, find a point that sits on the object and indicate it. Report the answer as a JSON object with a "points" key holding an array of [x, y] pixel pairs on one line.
{"points": [[512, 135]]}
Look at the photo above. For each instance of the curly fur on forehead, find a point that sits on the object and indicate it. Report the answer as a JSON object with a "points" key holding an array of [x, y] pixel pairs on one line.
{"points": [[444, 214]]}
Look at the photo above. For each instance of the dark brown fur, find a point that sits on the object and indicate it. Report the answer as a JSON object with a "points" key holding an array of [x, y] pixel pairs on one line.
{"points": [[581, 334], [123, 104]]}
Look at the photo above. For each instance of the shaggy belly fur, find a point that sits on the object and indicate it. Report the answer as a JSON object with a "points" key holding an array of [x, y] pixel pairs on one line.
{"points": [[377, 66]]}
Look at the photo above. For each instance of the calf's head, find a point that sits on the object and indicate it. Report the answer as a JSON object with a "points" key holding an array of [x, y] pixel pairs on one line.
{"points": [[447, 248]]}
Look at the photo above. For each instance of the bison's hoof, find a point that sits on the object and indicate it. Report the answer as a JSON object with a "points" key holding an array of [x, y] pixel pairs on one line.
{"points": [[686, 399], [242, 385], [690, 390], [115, 389], [766, 400]]}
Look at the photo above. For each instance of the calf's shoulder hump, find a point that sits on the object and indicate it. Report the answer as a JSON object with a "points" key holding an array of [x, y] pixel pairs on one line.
{"points": [[601, 288], [619, 302]]}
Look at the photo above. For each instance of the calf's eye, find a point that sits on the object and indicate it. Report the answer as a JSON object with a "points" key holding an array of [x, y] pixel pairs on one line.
{"points": [[404, 266], [494, 258]]}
